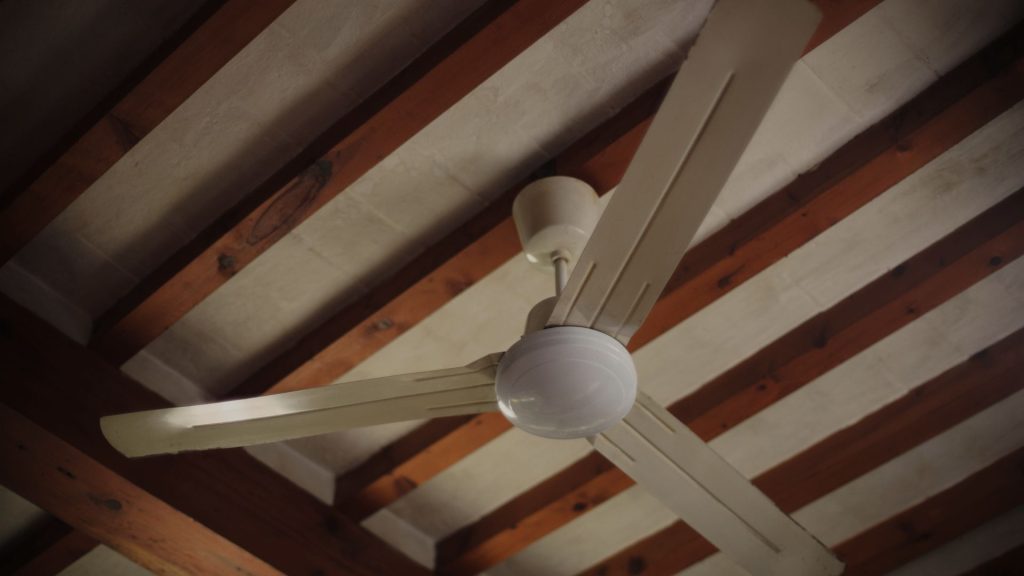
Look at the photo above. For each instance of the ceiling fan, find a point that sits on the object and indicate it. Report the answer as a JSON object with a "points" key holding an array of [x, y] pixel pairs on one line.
{"points": [[570, 375]]}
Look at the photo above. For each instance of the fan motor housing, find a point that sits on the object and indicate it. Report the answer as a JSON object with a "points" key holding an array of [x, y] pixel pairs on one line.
{"points": [[554, 217], [566, 382]]}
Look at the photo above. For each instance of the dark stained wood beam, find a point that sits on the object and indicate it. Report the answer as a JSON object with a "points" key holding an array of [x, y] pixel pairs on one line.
{"points": [[442, 272], [941, 518], [792, 361], [54, 475], [47, 549], [459, 62], [1009, 563], [983, 380], [55, 455], [162, 83]]}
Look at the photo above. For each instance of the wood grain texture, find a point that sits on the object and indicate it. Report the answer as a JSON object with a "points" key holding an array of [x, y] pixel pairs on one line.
{"points": [[358, 330], [983, 380], [161, 84], [401, 476], [464, 257], [45, 549], [911, 289], [945, 516], [792, 361], [347, 486], [104, 505], [455, 65], [64, 389]]}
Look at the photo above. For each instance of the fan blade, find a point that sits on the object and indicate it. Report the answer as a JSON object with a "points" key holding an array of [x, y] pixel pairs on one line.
{"points": [[715, 104], [290, 415], [691, 479]]}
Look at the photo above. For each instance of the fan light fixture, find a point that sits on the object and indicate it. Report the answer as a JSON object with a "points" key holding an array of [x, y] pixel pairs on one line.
{"points": [[566, 382]]}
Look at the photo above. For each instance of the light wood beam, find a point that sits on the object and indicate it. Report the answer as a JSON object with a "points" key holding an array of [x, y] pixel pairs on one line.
{"points": [[55, 476]]}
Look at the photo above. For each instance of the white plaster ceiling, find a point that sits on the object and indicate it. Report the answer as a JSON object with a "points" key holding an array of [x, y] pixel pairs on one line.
{"points": [[322, 56]]}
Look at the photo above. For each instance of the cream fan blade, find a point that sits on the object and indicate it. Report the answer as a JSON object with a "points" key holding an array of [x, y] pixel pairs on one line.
{"points": [[691, 479], [302, 413], [715, 104]]}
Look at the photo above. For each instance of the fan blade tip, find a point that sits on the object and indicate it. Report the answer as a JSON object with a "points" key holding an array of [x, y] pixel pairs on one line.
{"points": [[125, 437], [112, 432]]}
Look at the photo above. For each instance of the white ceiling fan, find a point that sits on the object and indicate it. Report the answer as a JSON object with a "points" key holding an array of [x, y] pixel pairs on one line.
{"points": [[570, 375]]}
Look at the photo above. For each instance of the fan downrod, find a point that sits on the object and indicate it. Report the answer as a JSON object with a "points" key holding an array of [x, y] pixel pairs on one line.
{"points": [[554, 217]]}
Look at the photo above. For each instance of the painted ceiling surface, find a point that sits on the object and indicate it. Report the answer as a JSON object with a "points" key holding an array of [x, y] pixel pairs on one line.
{"points": [[322, 57]]}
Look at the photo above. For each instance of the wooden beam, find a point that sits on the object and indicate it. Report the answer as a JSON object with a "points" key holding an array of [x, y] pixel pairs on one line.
{"points": [[837, 15], [47, 549], [468, 254], [602, 156], [163, 82], [62, 389], [1006, 564], [954, 107], [433, 278], [416, 457], [460, 260], [913, 288], [983, 380], [469, 54], [55, 476], [938, 520], [98, 114]]}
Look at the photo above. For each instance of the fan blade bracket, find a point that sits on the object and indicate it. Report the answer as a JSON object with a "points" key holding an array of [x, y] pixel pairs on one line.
{"points": [[710, 113], [677, 467]]}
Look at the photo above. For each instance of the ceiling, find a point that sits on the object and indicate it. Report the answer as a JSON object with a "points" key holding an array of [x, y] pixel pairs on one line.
{"points": [[321, 58]]}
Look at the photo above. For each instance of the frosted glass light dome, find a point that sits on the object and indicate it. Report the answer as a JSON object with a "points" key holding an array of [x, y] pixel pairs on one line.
{"points": [[566, 382]]}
